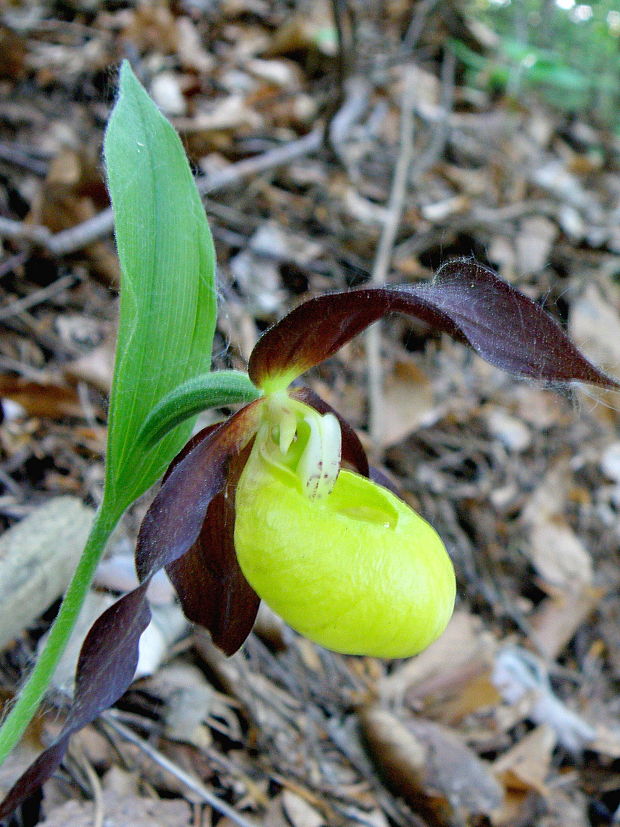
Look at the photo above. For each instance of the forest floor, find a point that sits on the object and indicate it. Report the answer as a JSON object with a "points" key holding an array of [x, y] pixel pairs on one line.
{"points": [[513, 716]]}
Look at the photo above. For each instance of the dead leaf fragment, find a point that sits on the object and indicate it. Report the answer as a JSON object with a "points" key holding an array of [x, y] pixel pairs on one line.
{"points": [[37, 558], [594, 325], [526, 765], [299, 812], [95, 368], [430, 766], [555, 550], [310, 28], [462, 654], [52, 399], [534, 242], [407, 402], [558, 617], [120, 811]]}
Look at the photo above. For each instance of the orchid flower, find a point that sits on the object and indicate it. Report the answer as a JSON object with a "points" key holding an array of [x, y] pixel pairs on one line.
{"points": [[278, 502]]}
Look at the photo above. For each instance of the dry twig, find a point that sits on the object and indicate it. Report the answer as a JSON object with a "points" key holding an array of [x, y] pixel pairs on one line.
{"points": [[165, 763], [76, 238], [37, 297], [384, 250]]}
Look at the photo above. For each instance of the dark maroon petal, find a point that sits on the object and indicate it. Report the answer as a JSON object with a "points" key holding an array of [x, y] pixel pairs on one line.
{"points": [[353, 452], [105, 669], [466, 300], [189, 446], [211, 586], [174, 520], [505, 327], [387, 482], [109, 655], [318, 328]]}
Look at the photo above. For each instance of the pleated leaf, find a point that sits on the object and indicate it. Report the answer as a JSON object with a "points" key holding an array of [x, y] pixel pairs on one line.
{"points": [[167, 307]]}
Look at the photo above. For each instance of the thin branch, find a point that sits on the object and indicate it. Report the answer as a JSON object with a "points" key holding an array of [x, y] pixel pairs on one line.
{"points": [[76, 238], [13, 154], [20, 231], [37, 297], [440, 133], [385, 249], [165, 763]]}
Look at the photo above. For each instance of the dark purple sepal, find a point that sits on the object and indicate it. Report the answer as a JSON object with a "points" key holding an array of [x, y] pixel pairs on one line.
{"points": [[376, 475], [106, 667], [208, 579], [506, 327], [465, 300], [173, 522], [109, 655]]}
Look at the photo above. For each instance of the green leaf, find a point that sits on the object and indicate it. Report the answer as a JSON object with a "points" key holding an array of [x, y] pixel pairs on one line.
{"points": [[212, 390], [168, 302]]}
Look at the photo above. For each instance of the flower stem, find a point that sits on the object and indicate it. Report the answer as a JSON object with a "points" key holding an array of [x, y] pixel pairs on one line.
{"points": [[36, 686]]}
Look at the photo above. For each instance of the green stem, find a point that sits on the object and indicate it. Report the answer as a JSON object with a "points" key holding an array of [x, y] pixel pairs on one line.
{"points": [[32, 694]]}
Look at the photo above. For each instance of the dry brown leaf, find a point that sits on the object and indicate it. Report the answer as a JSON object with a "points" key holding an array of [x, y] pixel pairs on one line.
{"points": [[607, 740], [558, 555], [594, 325], [37, 558], [13, 51], [541, 408], [51, 400], [96, 367], [534, 242], [152, 27], [526, 765], [299, 812], [463, 653], [430, 766], [167, 93], [558, 617], [407, 402], [73, 192], [190, 49], [309, 28], [121, 811], [509, 430], [230, 114], [556, 552]]}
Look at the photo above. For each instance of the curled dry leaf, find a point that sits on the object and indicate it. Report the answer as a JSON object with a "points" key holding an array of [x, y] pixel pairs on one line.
{"points": [[430, 766]]}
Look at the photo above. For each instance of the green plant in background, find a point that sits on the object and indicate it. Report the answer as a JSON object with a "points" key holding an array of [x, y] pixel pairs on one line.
{"points": [[278, 501], [568, 52]]}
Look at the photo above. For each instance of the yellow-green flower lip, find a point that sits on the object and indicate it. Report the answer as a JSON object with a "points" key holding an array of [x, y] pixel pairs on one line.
{"points": [[358, 571]]}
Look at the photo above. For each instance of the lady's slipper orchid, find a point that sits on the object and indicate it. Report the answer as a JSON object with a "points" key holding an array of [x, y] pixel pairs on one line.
{"points": [[298, 522], [342, 559], [278, 501]]}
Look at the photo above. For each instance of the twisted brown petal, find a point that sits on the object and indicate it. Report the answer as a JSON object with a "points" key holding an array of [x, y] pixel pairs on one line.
{"points": [[109, 655], [466, 300]]}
